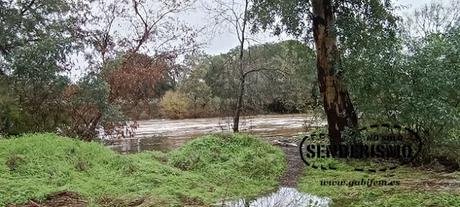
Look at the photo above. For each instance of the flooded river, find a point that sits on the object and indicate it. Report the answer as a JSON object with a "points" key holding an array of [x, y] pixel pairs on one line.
{"points": [[166, 134]]}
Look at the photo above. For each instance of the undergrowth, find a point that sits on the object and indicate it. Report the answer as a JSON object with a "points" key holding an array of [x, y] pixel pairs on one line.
{"points": [[202, 172], [415, 187]]}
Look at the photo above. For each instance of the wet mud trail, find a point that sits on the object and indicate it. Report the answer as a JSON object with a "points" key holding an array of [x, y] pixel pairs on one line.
{"points": [[295, 167]]}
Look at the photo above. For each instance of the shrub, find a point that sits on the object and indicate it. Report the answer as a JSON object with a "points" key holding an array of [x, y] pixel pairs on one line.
{"points": [[175, 105], [239, 152]]}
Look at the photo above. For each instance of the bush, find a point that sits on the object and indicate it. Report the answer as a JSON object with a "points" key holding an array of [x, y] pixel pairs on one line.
{"points": [[239, 152], [13, 120], [417, 88], [174, 105], [446, 150]]}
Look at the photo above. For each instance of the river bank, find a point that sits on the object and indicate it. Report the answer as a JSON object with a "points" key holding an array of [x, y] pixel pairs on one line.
{"points": [[47, 170]]}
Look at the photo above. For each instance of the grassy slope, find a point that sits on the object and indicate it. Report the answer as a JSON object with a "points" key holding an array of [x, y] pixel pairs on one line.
{"points": [[411, 192], [203, 171]]}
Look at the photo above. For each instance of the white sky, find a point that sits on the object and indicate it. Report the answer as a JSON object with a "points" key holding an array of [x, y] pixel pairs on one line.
{"points": [[223, 42]]}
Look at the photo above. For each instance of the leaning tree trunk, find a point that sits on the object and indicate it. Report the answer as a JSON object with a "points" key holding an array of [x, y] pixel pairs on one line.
{"points": [[336, 100]]}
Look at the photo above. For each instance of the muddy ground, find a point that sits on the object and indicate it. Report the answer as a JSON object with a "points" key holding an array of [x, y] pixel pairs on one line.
{"points": [[295, 166]]}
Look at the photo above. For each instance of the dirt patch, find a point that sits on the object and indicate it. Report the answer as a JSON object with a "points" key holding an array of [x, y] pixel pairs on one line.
{"points": [[70, 199], [60, 199], [116, 202]]}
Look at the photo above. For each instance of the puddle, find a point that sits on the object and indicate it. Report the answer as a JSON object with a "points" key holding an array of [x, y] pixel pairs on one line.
{"points": [[284, 197]]}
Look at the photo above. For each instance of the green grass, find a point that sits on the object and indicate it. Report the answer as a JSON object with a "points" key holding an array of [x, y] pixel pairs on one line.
{"points": [[202, 172], [408, 193]]}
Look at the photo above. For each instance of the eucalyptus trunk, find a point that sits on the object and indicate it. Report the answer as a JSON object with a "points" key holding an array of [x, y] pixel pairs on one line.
{"points": [[336, 100]]}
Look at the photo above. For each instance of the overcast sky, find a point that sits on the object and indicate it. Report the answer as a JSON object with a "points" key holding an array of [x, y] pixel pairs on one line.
{"points": [[224, 41]]}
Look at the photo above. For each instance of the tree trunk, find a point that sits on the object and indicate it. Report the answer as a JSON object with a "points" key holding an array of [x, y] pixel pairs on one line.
{"points": [[241, 38], [336, 100], [239, 106]]}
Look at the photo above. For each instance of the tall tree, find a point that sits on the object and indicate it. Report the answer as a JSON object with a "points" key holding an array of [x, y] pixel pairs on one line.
{"points": [[327, 20], [336, 100], [237, 15], [36, 38]]}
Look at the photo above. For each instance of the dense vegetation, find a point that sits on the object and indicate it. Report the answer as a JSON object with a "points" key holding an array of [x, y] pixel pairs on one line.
{"points": [[397, 69], [211, 87], [202, 172]]}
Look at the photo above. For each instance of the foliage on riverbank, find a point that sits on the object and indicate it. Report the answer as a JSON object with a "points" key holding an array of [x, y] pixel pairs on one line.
{"points": [[207, 169], [416, 187]]}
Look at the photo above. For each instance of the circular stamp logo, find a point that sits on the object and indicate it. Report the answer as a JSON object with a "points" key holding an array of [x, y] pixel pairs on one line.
{"points": [[385, 146]]}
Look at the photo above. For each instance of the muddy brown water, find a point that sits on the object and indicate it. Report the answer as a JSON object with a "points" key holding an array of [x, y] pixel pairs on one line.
{"points": [[166, 134]]}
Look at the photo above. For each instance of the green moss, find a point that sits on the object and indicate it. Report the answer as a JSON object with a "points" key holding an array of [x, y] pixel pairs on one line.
{"points": [[210, 168], [405, 194]]}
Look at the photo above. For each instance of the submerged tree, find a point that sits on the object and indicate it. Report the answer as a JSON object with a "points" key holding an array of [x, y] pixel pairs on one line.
{"points": [[237, 15]]}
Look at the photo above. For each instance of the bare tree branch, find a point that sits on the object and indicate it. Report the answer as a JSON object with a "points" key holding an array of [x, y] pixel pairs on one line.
{"points": [[27, 7]]}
